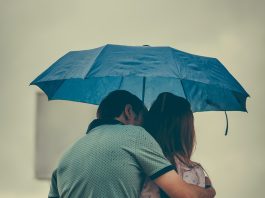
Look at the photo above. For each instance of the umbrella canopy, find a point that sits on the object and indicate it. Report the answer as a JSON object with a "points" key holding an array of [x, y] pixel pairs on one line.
{"points": [[89, 75]]}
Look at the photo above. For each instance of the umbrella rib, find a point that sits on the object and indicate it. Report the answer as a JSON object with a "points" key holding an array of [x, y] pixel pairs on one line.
{"points": [[183, 90], [121, 82], [222, 87], [57, 88], [176, 64], [143, 90], [99, 54], [48, 70]]}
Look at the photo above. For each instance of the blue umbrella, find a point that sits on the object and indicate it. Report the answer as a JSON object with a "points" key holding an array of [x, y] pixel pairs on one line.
{"points": [[89, 75]]}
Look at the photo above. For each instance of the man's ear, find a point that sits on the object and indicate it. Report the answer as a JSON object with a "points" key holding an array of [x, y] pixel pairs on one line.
{"points": [[128, 112]]}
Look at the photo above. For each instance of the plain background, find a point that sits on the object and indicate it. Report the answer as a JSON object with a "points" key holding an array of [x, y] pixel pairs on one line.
{"points": [[58, 125], [35, 33]]}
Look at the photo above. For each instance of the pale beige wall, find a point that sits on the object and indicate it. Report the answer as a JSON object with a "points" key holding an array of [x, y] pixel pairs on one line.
{"points": [[35, 33]]}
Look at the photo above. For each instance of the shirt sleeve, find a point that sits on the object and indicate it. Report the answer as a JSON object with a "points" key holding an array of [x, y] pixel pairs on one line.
{"points": [[150, 156], [53, 188]]}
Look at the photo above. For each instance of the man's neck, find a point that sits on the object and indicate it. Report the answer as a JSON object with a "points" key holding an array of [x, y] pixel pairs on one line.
{"points": [[121, 119], [98, 122]]}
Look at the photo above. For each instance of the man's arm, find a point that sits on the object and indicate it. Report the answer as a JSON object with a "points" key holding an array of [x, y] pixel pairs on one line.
{"points": [[175, 187], [53, 188]]}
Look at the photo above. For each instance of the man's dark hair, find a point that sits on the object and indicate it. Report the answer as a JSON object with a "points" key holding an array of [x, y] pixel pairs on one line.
{"points": [[114, 104]]}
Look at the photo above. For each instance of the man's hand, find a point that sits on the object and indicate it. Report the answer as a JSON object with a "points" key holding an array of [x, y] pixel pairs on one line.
{"points": [[175, 187], [211, 192], [209, 185]]}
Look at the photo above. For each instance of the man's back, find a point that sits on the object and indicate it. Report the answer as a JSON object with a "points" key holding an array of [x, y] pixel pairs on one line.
{"points": [[111, 161]]}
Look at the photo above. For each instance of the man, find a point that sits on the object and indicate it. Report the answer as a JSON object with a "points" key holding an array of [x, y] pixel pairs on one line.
{"points": [[116, 156]]}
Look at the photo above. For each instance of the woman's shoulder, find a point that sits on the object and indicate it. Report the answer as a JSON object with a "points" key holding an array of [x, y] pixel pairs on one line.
{"points": [[188, 165], [192, 173]]}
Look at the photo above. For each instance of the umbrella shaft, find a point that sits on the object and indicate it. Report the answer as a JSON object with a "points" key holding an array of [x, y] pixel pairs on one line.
{"points": [[143, 90]]}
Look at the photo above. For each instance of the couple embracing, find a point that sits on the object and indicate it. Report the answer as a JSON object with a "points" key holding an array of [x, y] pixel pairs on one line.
{"points": [[131, 152]]}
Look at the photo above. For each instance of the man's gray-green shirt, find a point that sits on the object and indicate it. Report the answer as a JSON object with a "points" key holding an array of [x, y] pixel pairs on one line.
{"points": [[110, 161]]}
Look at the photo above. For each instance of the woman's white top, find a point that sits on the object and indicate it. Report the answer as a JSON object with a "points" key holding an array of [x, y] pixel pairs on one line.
{"points": [[193, 175]]}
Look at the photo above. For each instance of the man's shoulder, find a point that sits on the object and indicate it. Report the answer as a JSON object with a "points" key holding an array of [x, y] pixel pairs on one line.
{"points": [[133, 127], [139, 134], [136, 130], [131, 132], [121, 127]]}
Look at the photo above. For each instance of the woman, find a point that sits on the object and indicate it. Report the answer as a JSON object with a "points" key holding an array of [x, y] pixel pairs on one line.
{"points": [[170, 121]]}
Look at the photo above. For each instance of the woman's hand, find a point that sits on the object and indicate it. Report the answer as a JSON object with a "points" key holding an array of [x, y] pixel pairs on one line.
{"points": [[208, 184]]}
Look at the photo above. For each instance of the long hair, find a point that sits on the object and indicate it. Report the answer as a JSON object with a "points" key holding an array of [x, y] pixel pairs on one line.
{"points": [[170, 121]]}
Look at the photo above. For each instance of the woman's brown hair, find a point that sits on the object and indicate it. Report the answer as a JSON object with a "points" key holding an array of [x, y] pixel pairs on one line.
{"points": [[170, 121]]}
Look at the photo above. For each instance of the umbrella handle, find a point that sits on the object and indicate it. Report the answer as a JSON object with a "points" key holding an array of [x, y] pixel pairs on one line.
{"points": [[226, 129]]}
